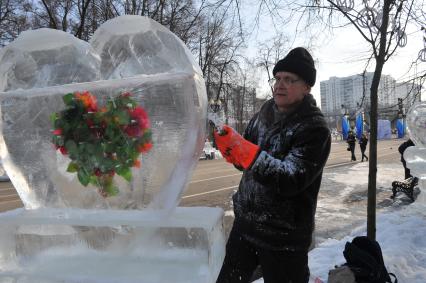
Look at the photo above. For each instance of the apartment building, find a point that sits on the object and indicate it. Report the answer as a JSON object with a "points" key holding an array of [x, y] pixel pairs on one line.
{"points": [[352, 93]]}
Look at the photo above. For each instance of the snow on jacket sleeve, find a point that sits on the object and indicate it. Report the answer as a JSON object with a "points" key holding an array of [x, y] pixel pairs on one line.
{"points": [[300, 167]]}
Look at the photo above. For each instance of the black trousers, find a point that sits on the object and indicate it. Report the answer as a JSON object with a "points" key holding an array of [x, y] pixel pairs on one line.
{"points": [[242, 258], [406, 170], [363, 154], [352, 148]]}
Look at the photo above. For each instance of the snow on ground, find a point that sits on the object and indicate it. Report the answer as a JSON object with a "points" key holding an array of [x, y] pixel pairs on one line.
{"points": [[341, 215], [401, 234], [342, 201]]}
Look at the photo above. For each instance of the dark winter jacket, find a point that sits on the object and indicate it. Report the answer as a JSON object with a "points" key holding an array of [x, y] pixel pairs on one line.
{"points": [[403, 147], [276, 200], [351, 139], [363, 141]]}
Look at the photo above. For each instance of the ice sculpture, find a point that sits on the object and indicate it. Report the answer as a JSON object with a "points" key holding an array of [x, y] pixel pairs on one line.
{"points": [[415, 156], [47, 57], [69, 232]]}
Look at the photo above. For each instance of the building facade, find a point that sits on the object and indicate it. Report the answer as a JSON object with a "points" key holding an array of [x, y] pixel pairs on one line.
{"points": [[348, 95]]}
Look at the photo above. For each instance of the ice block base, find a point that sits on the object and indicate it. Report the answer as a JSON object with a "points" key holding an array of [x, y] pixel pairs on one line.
{"points": [[85, 246]]}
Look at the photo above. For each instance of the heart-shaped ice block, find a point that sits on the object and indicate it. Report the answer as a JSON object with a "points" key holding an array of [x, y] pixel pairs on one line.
{"points": [[416, 124], [127, 54]]}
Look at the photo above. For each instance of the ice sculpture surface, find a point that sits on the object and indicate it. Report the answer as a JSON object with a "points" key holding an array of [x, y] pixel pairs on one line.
{"points": [[79, 245], [131, 45], [415, 156], [69, 232], [165, 81], [416, 123], [47, 57]]}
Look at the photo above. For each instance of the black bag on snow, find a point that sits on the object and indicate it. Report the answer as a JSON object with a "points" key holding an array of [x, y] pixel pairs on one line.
{"points": [[365, 259]]}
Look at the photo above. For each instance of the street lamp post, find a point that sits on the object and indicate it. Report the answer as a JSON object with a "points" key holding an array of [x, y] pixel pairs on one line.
{"points": [[344, 110], [401, 119], [215, 105]]}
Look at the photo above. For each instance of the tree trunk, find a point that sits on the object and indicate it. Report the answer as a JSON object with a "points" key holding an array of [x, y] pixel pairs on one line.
{"points": [[50, 13], [372, 165], [83, 15]]}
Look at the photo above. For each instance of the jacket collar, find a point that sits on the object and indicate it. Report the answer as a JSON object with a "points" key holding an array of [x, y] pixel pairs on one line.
{"points": [[308, 107]]}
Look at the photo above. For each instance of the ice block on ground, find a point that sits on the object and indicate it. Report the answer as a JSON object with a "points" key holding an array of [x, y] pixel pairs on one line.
{"points": [[114, 246]]}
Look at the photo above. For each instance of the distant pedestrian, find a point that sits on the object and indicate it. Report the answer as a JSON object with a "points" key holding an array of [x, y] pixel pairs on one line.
{"points": [[363, 146], [351, 140], [401, 150]]}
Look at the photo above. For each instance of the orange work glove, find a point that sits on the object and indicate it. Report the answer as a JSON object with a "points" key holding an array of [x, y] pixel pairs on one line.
{"points": [[235, 148]]}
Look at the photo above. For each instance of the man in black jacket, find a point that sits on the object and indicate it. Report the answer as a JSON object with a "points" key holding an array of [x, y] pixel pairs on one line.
{"points": [[351, 140], [283, 153], [401, 150]]}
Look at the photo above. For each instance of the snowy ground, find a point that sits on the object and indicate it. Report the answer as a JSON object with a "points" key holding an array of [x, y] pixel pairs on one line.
{"points": [[341, 215], [342, 202]]}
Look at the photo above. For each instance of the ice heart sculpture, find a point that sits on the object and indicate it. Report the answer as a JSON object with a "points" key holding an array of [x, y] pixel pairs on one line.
{"points": [[415, 156], [416, 123], [128, 54]]}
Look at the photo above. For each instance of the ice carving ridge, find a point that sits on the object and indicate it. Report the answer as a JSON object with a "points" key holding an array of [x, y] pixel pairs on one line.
{"points": [[141, 50], [32, 61]]}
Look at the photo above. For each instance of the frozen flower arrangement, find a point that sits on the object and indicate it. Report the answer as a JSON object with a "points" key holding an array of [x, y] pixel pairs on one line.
{"points": [[101, 142]]}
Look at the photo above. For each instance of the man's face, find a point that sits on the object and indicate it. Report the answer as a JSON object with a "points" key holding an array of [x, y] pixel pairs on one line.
{"points": [[289, 90]]}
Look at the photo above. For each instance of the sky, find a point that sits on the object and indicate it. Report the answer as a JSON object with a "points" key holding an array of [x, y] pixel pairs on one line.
{"points": [[341, 54]]}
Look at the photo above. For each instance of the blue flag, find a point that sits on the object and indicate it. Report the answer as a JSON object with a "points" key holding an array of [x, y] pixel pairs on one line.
{"points": [[359, 123], [345, 127], [400, 128]]}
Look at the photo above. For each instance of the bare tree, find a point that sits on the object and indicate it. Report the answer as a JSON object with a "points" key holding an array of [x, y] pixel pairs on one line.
{"points": [[83, 17], [244, 98], [13, 19], [219, 43], [52, 14], [270, 51], [383, 27], [83, 8]]}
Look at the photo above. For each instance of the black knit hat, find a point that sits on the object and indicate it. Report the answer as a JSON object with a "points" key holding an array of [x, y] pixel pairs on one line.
{"points": [[299, 62]]}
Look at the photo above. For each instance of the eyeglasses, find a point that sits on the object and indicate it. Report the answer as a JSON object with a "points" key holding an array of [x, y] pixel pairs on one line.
{"points": [[286, 80]]}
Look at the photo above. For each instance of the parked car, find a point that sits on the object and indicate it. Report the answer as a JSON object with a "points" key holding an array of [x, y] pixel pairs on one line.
{"points": [[208, 151]]}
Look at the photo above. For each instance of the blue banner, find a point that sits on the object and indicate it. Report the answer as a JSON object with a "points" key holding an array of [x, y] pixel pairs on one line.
{"points": [[345, 127], [400, 128], [384, 130], [359, 123]]}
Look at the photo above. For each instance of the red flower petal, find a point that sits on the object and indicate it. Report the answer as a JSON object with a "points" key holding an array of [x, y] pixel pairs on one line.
{"points": [[139, 115], [145, 147], [133, 131], [63, 150], [137, 163]]}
